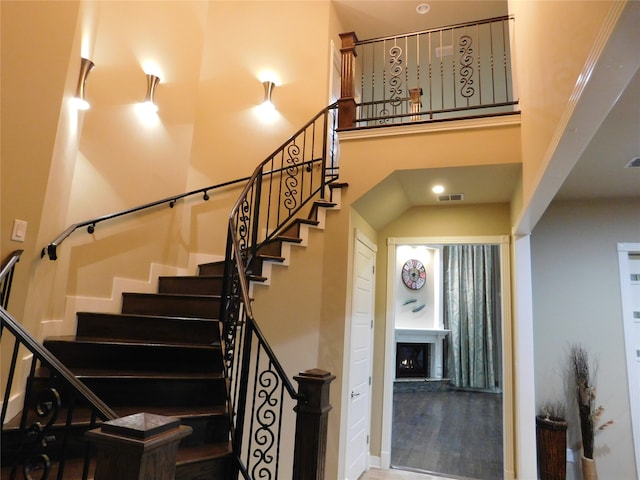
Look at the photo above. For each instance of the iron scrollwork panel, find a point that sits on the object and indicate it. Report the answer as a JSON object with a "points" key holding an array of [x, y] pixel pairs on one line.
{"points": [[291, 177], [467, 89], [268, 410], [33, 455], [396, 69]]}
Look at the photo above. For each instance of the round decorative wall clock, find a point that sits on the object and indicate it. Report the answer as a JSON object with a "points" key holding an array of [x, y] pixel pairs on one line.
{"points": [[414, 275]]}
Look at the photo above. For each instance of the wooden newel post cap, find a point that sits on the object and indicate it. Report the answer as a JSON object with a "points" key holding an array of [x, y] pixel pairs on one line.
{"points": [[313, 386], [140, 446]]}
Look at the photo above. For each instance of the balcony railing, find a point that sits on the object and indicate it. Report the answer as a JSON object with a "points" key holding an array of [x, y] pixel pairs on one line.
{"points": [[452, 72]]}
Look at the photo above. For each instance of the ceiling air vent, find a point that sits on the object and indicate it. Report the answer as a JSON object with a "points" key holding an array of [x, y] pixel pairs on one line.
{"points": [[634, 162], [453, 197]]}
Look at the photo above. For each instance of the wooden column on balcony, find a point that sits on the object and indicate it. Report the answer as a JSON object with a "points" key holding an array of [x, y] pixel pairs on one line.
{"points": [[347, 102], [138, 447], [311, 424]]}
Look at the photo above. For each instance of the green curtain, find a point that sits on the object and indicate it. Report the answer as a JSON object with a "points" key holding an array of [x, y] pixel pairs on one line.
{"points": [[472, 313]]}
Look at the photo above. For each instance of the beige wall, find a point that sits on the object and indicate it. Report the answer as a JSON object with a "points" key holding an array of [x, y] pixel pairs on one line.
{"points": [[553, 41], [576, 299], [209, 56], [39, 140], [368, 159]]}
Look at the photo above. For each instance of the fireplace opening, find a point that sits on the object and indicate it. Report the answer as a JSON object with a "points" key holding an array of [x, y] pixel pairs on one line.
{"points": [[412, 360]]}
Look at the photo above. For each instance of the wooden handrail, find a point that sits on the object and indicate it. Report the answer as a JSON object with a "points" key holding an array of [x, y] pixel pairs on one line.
{"points": [[51, 249], [6, 276]]}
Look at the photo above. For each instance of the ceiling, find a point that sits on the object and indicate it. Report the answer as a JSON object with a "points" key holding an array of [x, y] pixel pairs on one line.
{"points": [[599, 173], [381, 18]]}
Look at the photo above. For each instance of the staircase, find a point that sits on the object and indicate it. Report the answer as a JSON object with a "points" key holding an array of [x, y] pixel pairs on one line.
{"points": [[163, 354]]}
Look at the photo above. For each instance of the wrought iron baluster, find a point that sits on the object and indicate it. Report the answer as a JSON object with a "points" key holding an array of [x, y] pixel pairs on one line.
{"points": [[505, 45], [467, 89], [478, 58]]}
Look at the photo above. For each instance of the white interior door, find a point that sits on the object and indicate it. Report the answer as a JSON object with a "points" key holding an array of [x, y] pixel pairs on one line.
{"points": [[629, 261], [361, 340]]}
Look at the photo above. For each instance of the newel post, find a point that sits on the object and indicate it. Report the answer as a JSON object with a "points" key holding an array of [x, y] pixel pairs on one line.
{"points": [[138, 447], [347, 102], [311, 424]]}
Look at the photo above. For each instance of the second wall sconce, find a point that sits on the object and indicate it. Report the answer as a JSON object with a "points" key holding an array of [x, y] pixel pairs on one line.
{"points": [[149, 99], [86, 66], [268, 90]]}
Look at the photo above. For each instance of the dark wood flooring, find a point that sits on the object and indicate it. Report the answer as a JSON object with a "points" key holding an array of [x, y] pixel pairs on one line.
{"points": [[454, 433]]}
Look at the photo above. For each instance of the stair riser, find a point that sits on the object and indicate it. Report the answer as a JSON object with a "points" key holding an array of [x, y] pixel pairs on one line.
{"points": [[136, 357], [157, 393], [171, 305], [151, 329], [206, 430], [216, 469], [199, 285]]}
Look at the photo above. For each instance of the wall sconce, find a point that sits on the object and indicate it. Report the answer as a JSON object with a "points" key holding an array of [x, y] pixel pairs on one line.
{"points": [[149, 99], [268, 90], [86, 66], [266, 110]]}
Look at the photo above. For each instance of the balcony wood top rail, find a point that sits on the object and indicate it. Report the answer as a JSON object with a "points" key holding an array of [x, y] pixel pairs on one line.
{"points": [[436, 29]]}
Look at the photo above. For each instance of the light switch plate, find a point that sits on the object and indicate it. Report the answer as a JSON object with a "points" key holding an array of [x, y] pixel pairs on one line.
{"points": [[19, 231]]}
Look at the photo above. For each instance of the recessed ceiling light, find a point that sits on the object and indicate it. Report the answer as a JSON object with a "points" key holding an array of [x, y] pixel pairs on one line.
{"points": [[423, 8], [437, 189]]}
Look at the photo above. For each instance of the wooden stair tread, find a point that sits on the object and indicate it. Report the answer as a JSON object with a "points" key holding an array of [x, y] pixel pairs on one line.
{"points": [[271, 258], [177, 412], [208, 276], [202, 452], [325, 203], [127, 342], [171, 295], [286, 238], [135, 316], [85, 373]]}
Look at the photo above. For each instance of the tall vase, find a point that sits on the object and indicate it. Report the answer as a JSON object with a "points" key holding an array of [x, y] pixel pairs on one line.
{"points": [[589, 469]]}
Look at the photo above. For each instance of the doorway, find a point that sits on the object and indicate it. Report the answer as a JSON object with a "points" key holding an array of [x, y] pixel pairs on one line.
{"points": [[629, 263], [439, 402], [358, 360]]}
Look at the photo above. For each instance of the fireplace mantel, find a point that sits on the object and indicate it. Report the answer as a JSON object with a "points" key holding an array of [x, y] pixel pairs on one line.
{"points": [[425, 335]]}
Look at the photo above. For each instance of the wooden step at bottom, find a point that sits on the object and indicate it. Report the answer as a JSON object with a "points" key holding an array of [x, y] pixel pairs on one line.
{"points": [[205, 462], [203, 331], [115, 355], [194, 285], [199, 306], [160, 391]]}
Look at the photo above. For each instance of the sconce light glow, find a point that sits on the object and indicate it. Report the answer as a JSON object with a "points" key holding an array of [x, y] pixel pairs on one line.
{"points": [[269, 76], [80, 101], [151, 68], [267, 110], [437, 189], [147, 109]]}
